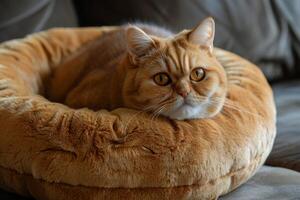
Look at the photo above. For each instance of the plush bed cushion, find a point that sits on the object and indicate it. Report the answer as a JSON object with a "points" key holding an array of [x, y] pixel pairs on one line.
{"points": [[50, 151], [269, 183]]}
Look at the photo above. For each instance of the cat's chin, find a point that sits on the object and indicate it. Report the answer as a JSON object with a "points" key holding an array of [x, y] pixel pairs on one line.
{"points": [[185, 112]]}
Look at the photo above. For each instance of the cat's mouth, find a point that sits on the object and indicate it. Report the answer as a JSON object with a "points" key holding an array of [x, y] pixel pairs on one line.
{"points": [[187, 102], [190, 102], [186, 108], [184, 111]]}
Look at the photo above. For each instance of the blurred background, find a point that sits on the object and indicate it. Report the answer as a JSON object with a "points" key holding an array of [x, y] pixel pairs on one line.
{"points": [[267, 32]]}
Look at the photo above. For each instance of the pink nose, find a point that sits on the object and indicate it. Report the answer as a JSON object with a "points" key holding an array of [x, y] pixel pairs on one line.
{"points": [[183, 93]]}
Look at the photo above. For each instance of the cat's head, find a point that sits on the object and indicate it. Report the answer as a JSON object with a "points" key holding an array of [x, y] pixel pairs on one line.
{"points": [[178, 77]]}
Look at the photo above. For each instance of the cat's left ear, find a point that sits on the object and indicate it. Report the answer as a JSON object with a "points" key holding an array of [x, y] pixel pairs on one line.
{"points": [[203, 34]]}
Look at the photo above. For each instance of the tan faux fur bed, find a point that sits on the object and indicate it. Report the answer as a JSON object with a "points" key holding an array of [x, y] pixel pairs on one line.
{"points": [[50, 151]]}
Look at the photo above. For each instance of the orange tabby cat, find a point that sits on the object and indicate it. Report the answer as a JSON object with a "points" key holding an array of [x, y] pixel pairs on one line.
{"points": [[147, 68]]}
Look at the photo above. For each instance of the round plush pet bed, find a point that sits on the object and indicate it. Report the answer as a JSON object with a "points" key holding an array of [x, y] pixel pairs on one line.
{"points": [[50, 151]]}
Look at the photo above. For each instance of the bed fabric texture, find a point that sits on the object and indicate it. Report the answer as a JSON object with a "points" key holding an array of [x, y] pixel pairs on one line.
{"points": [[50, 151], [269, 183]]}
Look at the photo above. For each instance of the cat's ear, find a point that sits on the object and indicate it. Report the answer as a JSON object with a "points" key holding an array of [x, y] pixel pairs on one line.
{"points": [[203, 34], [138, 42]]}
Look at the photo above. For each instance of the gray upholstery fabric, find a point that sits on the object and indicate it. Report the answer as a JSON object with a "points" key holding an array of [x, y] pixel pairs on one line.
{"points": [[286, 150], [269, 183], [19, 18]]}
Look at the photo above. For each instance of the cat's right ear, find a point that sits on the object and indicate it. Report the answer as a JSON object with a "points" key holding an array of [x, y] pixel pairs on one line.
{"points": [[138, 42], [203, 34]]}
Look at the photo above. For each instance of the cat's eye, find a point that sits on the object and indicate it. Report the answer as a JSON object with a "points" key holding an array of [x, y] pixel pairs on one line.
{"points": [[162, 79], [197, 74]]}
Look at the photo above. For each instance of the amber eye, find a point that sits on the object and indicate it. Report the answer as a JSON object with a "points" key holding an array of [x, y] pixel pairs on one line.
{"points": [[162, 79], [197, 74]]}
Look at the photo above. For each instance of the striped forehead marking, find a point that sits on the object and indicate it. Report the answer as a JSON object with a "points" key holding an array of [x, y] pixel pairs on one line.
{"points": [[177, 59]]}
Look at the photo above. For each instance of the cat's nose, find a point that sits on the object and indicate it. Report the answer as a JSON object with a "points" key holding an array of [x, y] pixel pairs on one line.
{"points": [[182, 88], [184, 94]]}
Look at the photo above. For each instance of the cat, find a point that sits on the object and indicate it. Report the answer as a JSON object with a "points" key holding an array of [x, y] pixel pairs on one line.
{"points": [[148, 68]]}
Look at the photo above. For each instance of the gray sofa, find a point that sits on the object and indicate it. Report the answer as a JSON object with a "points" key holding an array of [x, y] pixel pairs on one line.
{"points": [[266, 32]]}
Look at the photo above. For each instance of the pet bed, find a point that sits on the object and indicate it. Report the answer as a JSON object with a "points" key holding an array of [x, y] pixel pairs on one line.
{"points": [[50, 151]]}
